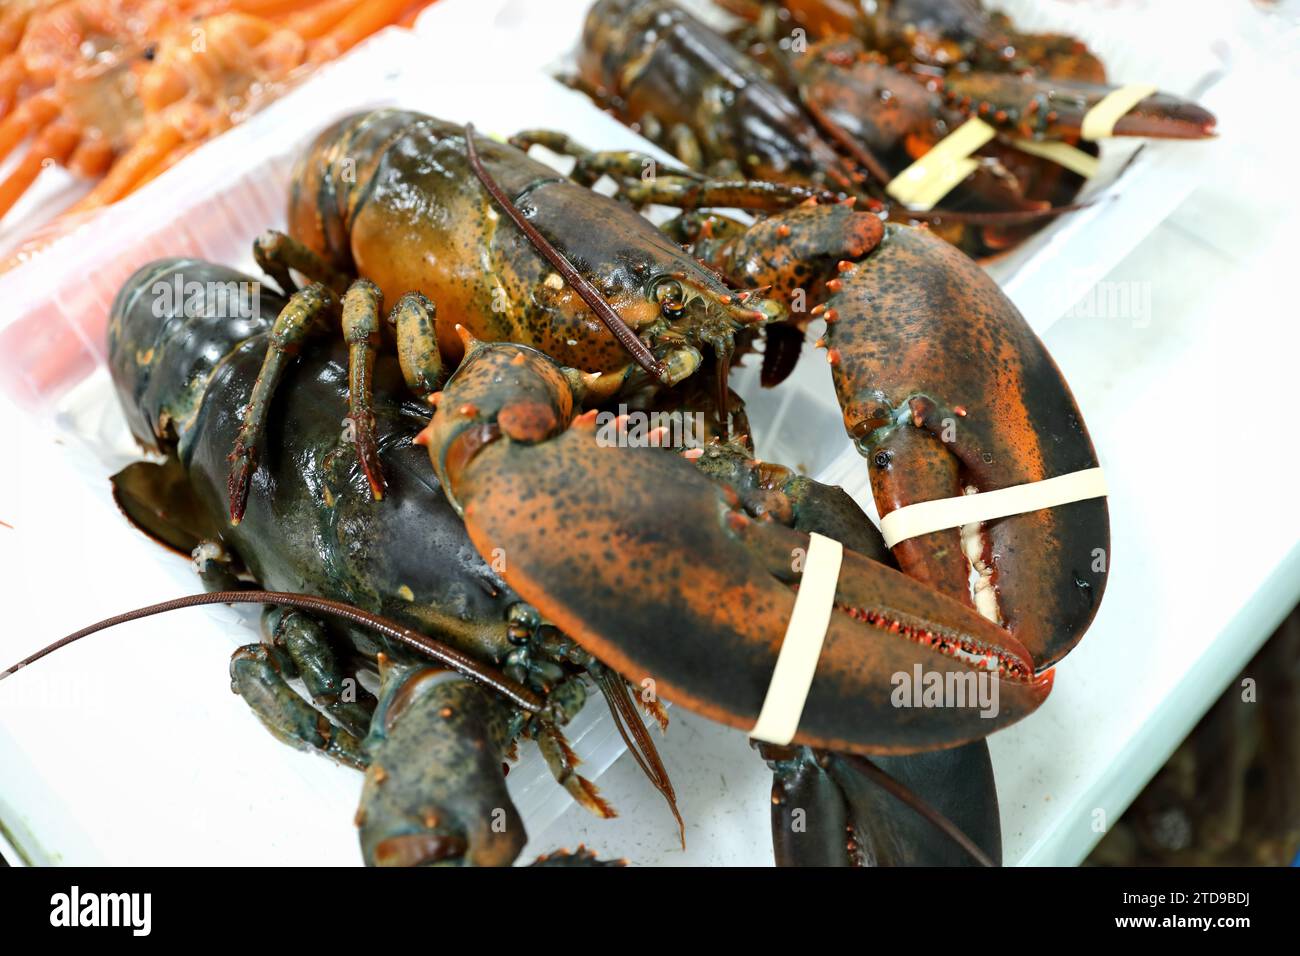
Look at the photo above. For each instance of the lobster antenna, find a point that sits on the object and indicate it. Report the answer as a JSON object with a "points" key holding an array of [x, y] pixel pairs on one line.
{"points": [[904, 795], [489, 677], [579, 283], [638, 741]]}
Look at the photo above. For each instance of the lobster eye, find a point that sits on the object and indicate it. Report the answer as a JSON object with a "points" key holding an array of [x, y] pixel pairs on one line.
{"points": [[670, 297]]}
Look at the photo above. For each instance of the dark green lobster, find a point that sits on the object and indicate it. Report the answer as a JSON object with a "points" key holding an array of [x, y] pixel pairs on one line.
{"points": [[434, 742]]}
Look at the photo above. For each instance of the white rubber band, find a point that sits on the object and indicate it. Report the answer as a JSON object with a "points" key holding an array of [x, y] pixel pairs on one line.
{"points": [[802, 647], [948, 162], [944, 513], [1063, 154], [1099, 122]]}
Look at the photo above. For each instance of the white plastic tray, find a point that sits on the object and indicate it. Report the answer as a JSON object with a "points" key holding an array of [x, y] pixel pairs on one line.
{"points": [[475, 61]]}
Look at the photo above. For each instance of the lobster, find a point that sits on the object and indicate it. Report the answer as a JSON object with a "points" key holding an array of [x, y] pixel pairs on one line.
{"points": [[938, 33], [587, 271], [433, 743], [840, 115]]}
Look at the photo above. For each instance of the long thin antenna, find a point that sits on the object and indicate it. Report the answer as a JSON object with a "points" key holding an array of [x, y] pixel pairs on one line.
{"points": [[588, 292], [489, 677]]}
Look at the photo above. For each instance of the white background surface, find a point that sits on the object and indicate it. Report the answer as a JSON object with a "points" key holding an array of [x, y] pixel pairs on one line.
{"points": [[1190, 406]]}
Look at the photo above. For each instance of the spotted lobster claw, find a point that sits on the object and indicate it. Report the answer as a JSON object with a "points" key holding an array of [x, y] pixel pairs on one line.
{"points": [[435, 793], [946, 389], [1037, 107], [655, 569]]}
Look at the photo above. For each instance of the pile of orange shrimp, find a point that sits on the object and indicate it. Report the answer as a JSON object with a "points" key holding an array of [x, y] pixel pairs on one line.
{"points": [[119, 90]]}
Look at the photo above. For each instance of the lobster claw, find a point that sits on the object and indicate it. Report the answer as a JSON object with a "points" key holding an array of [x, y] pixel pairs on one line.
{"points": [[946, 389], [649, 565], [1036, 107], [434, 792]]}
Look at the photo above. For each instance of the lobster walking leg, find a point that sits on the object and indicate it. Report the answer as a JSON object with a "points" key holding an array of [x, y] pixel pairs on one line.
{"points": [[332, 690], [304, 310], [361, 307], [277, 253], [256, 674], [413, 320]]}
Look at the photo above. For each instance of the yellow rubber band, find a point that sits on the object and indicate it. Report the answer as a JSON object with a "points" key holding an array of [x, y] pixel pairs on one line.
{"points": [[1099, 122], [935, 174], [1063, 154], [925, 517], [796, 662]]}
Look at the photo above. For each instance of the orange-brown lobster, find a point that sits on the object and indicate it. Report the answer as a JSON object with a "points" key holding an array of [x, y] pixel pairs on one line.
{"points": [[841, 114]]}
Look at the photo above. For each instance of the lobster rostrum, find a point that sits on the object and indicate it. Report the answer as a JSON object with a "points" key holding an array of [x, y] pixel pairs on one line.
{"points": [[655, 559], [433, 742]]}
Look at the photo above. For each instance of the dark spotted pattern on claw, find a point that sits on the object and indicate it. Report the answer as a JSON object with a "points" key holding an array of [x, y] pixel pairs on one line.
{"points": [[667, 581], [945, 387]]}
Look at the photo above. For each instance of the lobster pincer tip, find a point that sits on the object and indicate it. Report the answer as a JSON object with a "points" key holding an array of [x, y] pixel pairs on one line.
{"points": [[242, 464]]}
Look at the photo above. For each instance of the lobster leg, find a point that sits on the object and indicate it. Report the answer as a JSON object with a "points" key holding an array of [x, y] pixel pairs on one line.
{"points": [[563, 764], [944, 387], [300, 315], [418, 355], [256, 674], [825, 810], [692, 192], [642, 182], [304, 639], [589, 165], [435, 791], [277, 253], [361, 307], [1055, 109]]}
